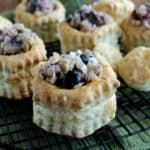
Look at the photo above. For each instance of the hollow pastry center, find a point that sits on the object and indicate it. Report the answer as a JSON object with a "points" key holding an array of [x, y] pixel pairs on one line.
{"points": [[71, 70], [15, 39], [86, 19], [37, 6], [141, 15]]}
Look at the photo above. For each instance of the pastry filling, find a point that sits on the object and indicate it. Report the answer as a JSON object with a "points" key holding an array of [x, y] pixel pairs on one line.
{"points": [[38, 6], [141, 16], [86, 19], [15, 39], [71, 70]]}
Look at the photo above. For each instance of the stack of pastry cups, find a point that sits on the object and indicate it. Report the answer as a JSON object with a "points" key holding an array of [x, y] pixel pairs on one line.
{"points": [[72, 39], [75, 112], [16, 71], [118, 9], [46, 26]]}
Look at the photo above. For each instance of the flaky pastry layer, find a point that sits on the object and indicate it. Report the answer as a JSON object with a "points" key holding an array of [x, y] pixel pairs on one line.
{"points": [[81, 123], [135, 69], [96, 90], [72, 39], [46, 26], [118, 9], [16, 71], [111, 53], [134, 35]]}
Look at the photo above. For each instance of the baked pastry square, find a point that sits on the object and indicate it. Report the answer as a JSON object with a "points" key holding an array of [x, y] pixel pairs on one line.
{"points": [[135, 69], [136, 28], [118, 9], [74, 94], [20, 51], [43, 17], [4, 22], [86, 29]]}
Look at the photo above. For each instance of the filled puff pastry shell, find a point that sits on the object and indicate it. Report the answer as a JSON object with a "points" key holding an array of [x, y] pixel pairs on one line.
{"points": [[20, 51], [136, 28], [87, 29], [111, 53], [75, 110], [3, 23], [118, 9], [135, 69], [44, 19]]}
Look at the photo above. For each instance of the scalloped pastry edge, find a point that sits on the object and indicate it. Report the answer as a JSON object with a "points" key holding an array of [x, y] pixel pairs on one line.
{"points": [[72, 39], [100, 89], [118, 9], [17, 71]]}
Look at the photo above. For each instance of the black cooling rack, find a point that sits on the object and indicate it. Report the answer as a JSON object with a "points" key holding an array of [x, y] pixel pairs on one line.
{"points": [[18, 132]]}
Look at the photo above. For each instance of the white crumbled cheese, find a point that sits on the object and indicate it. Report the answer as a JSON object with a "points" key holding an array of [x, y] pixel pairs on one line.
{"points": [[54, 59], [86, 19], [83, 66], [38, 7], [87, 26], [141, 10], [141, 16], [15, 39], [91, 76], [147, 24]]}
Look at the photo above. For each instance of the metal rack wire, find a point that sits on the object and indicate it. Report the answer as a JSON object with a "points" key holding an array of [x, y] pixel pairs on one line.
{"points": [[18, 132]]}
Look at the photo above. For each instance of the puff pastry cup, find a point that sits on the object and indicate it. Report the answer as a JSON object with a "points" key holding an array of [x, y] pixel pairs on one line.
{"points": [[16, 70], [118, 9], [136, 29], [4, 22], [135, 69], [44, 24], [111, 53], [72, 38], [76, 112]]}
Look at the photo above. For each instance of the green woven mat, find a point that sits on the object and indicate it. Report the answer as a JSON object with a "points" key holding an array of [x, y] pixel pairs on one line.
{"points": [[16, 127], [16, 123]]}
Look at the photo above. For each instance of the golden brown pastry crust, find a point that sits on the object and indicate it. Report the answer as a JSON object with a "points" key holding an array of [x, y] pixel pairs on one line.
{"points": [[135, 69], [134, 35], [78, 124], [100, 89], [118, 9], [111, 53], [16, 71], [72, 39], [4, 22], [46, 26]]}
